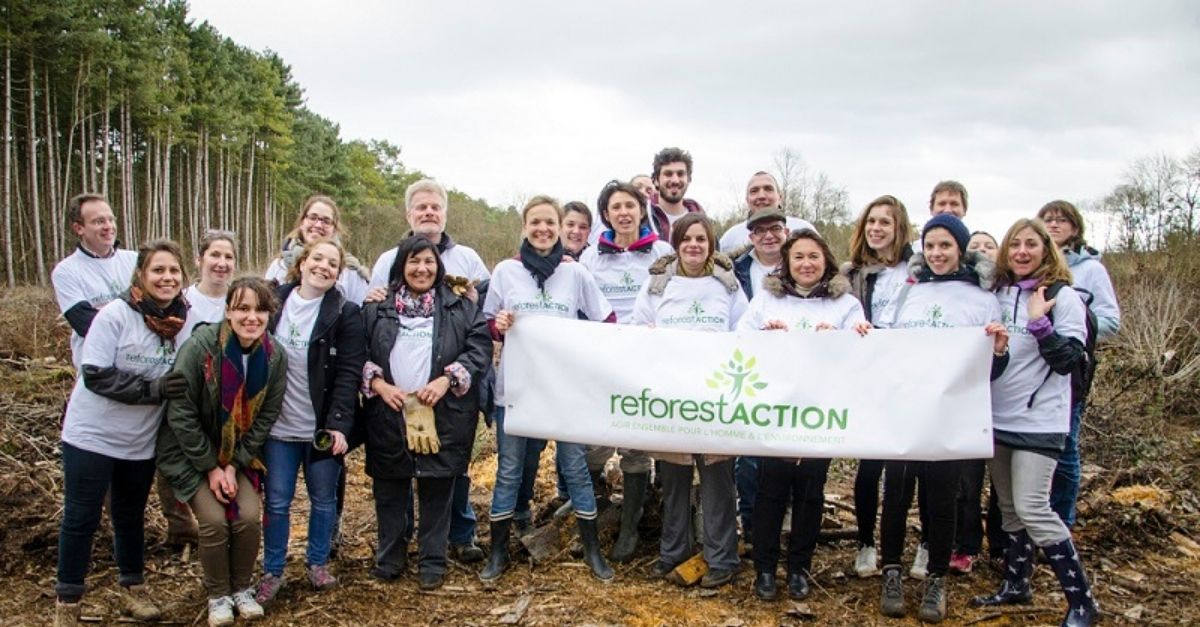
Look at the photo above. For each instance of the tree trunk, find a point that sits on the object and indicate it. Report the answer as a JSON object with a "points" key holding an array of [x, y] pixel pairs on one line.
{"points": [[56, 210], [250, 221], [34, 208], [10, 271], [66, 179], [104, 131], [128, 144]]}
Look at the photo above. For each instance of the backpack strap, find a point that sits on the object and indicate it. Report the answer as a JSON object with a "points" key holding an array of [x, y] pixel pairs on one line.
{"points": [[899, 303]]}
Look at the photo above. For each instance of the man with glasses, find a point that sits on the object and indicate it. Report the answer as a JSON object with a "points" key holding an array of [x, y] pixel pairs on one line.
{"points": [[762, 194]]}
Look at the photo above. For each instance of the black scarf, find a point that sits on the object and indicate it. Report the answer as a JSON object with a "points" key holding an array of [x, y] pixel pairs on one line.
{"points": [[965, 273], [541, 267]]}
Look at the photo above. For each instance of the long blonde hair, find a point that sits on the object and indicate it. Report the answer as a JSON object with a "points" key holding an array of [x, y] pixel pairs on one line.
{"points": [[1053, 267]]}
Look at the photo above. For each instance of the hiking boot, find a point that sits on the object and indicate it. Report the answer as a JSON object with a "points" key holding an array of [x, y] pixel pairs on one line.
{"points": [[498, 555], [220, 612], [661, 569], [891, 596], [246, 606], [765, 587], [268, 588], [717, 577], [866, 563], [797, 586], [961, 563], [66, 614], [933, 601], [631, 513], [1082, 610], [590, 537], [136, 603], [1017, 569], [920, 565], [431, 581], [468, 553], [321, 578]]}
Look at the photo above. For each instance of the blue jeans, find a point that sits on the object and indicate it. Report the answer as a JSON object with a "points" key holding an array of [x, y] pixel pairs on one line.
{"points": [[512, 456], [1064, 490], [87, 476], [284, 460], [745, 474]]}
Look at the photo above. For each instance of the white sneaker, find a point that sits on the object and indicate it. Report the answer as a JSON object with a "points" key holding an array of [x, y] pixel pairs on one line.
{"points": [[920, 566], [247, 607], [866, 563], [220, 612]]}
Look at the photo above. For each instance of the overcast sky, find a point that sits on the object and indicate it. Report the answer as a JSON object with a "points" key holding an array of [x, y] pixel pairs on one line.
{"points": [[1023, 102]]}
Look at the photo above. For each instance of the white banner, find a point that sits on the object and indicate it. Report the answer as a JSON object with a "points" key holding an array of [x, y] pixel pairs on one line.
{"points": [[919, 394]]}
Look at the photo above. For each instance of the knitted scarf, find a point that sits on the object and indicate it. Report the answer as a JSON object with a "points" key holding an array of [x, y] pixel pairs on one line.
{"points": [[414, 305], [541, 266], [165, 322], [243, 389]]}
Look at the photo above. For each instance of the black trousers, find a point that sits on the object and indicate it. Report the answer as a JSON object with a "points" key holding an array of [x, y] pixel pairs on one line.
{"points": [[866, 499], [782, 482], [968, 538], [392, 502], [940, 482]]}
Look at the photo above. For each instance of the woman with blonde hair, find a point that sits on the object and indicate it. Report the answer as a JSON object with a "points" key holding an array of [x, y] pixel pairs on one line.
{"points": [[320, 218]]}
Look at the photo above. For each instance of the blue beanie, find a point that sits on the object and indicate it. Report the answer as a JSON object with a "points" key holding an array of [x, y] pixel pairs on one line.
{"points": [[951, 223]]}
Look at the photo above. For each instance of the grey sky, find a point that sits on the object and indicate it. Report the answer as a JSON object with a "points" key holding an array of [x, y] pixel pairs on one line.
{"points": [[1023, 102]]}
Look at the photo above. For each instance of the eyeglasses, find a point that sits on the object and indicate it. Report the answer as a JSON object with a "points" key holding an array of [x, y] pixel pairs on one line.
{"points": [[774, 229], [312, 217]]}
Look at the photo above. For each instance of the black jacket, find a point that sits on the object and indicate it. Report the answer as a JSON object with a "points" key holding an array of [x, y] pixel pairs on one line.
{"points": [[337, 351], [460, 334]]}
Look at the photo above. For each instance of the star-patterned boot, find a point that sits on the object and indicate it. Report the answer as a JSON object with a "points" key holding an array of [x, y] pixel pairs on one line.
{"points": [[1082, 610], [1018, 567]]}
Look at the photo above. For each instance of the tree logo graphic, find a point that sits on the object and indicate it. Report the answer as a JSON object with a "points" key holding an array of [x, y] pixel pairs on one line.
{"points": [[1006, 317], [738, 376], [627, 281], [696, 309], [293, 332], [935, 316], [543, 299]]}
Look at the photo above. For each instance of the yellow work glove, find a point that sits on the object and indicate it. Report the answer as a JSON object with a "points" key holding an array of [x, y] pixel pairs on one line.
{"points": [[422, 432]]}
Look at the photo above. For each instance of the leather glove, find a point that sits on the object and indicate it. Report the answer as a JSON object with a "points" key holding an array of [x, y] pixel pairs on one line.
{"points": [[172, 386], [422, 431]]}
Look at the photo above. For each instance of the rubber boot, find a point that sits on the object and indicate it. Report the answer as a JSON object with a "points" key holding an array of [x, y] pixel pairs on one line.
{"points": [[498, 557], [601, 489], [1082, 610], [631, 515], [590, 537], [1018, 567]]}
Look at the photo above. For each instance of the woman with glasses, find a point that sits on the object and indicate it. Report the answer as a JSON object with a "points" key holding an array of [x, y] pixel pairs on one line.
{"points": [[320, 218]]}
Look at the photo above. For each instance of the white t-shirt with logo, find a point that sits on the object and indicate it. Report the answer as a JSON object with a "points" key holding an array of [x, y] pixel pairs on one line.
{"points": [[694, 303], [202, 309], [350, 283], [620, 276], [569, 290], [888, 283], [758, 272], [119, 337], [297, 420], [738, 236], [942, 304], [459, 260], [83, 278], [411, 359], [801, 314]]}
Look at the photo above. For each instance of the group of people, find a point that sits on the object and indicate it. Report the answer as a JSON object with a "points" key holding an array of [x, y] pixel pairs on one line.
{"points": [[228, 387]]}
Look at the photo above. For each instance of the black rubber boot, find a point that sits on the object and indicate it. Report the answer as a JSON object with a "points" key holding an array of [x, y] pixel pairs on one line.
{"points": [[498, 558], [601, 489], [1018, 567], [631, 515], [1082, 610], [590, 537]]}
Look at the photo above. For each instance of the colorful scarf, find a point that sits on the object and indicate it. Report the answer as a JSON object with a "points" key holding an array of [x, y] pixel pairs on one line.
{"points": [[413, 305], [541, 266], [164, 322], [243, 389]]}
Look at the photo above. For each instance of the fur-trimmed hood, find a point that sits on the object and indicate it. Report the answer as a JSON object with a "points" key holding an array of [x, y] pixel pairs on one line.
{"points": [[838, 285], [983, 268], [667, 266]]}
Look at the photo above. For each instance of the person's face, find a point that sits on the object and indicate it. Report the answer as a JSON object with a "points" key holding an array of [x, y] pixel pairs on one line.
{"points": [[1026, 252], [541, 227], [162, 277], [645, 185], [1060, 228], [98, 231], [319, 222], [767, 237], [247, 317], [693, 249], [426, 215], [880, 228], [673, 181], [420, 271], [984, 244], [806, 263], [218, 263], [624, 213], [575, 230], [320, 268], [947, 202], [941, 251], [761, 193]]}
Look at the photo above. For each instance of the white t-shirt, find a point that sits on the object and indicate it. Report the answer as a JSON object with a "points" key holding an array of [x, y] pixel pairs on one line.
{"points": [[738, 236], [81, 277], [298, 419], [411, 359], [758, 272], [888, 284], [694, 303], [569, 290], [620, 276], [942, 304], [119, 337], [202, 309], [459, 260], [350, 283], [801, 314], [1027, 370]]}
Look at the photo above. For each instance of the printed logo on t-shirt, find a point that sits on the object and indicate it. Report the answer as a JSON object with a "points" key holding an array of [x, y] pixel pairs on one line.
{"points": [[626, 285], [542, 301], [114, 290], [163, 355], [934, 318], [294, 338], [416, 333], [802, 324], [1006, 318], [695, 315]]}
